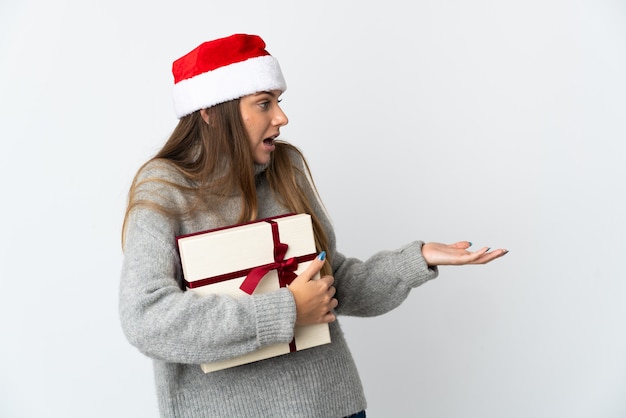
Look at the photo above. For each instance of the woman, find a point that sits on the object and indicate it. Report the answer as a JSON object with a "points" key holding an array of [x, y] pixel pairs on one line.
{"points": [[223, 165]]}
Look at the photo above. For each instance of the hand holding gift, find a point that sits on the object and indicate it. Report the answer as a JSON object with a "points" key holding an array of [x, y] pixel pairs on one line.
{"points": [[314, 298]]}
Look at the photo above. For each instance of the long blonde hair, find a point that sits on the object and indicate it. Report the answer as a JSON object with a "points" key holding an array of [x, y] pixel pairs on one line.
{"points": [[216, 157]]}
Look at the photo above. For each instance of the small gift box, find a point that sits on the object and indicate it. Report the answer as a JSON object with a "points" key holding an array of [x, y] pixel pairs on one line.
{"points": [[255, 257]]}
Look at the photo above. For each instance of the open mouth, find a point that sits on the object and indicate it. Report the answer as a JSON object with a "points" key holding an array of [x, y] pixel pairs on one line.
{"points": [[270, 140]]}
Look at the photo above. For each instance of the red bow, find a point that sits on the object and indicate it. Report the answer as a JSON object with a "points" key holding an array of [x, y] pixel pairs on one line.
{"points": [[286, 270]]}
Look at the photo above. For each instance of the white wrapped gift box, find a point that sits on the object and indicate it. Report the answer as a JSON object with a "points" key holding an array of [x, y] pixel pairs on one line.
{"points": [[255, 257]]}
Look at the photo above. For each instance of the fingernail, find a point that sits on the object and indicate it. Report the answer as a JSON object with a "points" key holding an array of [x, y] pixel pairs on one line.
{"points": [[470, 243], [322, 255], [505, 252]]}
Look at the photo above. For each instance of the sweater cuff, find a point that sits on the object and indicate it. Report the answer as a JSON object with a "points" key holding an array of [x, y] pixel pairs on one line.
{"points": [[417, 270], [276, 317]]}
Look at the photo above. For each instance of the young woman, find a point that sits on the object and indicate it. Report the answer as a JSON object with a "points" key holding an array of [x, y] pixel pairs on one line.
{"points": [[224, 165]]}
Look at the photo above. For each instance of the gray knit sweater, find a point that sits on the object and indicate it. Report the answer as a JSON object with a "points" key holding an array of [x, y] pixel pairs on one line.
{"points": [[179, 330]]}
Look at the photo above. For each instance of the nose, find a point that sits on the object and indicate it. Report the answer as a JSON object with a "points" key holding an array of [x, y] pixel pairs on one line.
{"points": [[280, 118]]}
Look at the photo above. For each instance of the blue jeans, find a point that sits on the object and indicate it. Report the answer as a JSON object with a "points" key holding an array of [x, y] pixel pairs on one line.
{"points": [[357, 415]]}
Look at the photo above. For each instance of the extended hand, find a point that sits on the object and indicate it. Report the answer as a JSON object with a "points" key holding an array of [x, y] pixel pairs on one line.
{"points": [[456, 254]]}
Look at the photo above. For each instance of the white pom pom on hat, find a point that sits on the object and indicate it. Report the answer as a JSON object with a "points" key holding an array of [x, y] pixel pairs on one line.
{"points": [[221, 70]]}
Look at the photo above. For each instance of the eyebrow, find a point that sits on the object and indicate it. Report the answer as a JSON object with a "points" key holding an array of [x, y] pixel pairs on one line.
{"points": [[259, 93]]}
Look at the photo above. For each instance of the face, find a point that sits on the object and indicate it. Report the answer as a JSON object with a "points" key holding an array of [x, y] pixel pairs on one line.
{"points": [[262, 118]]}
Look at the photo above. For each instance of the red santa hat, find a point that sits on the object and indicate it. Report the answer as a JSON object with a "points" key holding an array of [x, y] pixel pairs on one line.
{"points": [[224, 69]]}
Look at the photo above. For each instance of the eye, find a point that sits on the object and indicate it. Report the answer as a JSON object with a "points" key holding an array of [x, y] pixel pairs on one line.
{"points": [[264, 104]]}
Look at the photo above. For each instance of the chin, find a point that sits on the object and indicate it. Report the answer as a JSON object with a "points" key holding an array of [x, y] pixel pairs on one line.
{"points": [[264, 160]]}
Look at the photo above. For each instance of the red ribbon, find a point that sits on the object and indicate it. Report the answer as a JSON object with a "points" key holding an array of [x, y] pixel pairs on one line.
{"points": [[285, 268]]}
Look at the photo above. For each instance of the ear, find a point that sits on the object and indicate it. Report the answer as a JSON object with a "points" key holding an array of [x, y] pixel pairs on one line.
{"points": [[205, 116]]}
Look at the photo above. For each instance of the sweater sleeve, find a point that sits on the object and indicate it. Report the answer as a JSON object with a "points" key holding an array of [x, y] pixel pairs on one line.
{"points": [[170, 324], [380, 283]]}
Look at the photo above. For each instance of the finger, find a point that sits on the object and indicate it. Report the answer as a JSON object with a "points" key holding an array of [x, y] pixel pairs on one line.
{"points": [[329, 317], [332, 291], [490, 256], [312, 269], [329, 280], [463, 245], [473, 257]]}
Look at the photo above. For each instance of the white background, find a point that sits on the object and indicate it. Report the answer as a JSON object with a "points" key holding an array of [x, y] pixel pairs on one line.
{"points": [[501, 123]]}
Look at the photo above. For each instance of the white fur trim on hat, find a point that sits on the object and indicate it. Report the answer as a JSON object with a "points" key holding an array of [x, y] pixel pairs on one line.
{"points": [[227, 83]]}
